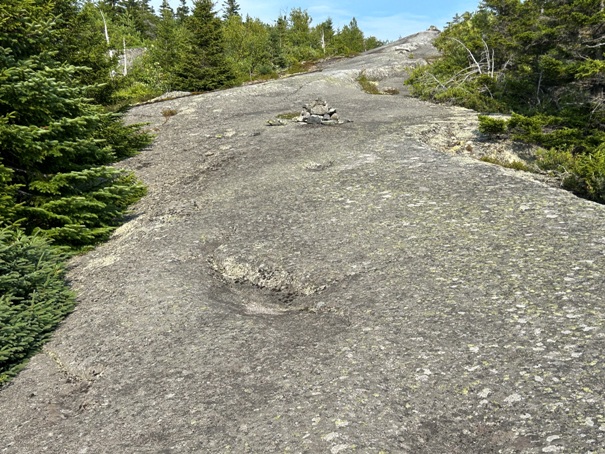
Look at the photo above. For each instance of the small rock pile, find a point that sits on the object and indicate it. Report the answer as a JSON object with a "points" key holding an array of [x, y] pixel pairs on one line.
{"points": [[319, 113]]}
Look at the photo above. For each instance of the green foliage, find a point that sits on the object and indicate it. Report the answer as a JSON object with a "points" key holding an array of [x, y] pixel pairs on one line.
{"points": [[541, 60], [55, 185], [515, 165], [204, 66], [588, 175], [247, 47], [350, 40], [230, 9], [154, 72], [54, 144], [83, 46], [134, 92], [34, 297], [193, 51], [182, 12], [583, 174], [556, 132], [302, 44], [492, 126], [371, 42], [367, 85], [8, 193]]}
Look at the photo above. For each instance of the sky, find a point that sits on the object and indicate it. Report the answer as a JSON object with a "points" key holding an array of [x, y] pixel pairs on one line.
{"points": [[385, 19]]}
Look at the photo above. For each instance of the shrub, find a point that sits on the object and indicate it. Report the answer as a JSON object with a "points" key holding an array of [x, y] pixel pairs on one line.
{"points": [[588, 175], [515, 165], [492, 126], [367, 85], [134, 93], [34, 297]]}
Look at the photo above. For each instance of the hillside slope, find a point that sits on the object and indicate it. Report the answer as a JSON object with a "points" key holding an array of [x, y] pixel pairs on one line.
{"points": [[306, 288]]}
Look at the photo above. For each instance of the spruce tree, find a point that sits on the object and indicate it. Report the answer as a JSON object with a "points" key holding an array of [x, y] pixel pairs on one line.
{"points": [[542, 60], [34, 297], [169, 45], [140, 14], [204, 67], [82, 44], [230, 9], [350, 39], [182, 12], [277, 42], [55, 144]]}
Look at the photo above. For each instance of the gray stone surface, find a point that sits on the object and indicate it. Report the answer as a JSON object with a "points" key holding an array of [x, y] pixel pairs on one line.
{"points": [[324, 290]]}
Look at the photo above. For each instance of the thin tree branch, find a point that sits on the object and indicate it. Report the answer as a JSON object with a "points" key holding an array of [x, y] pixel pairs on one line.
{"points": [[437, 80], [470, 53]]}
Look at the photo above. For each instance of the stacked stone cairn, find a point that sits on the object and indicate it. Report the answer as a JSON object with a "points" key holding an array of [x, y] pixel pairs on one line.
{"points": [[319, 113]]}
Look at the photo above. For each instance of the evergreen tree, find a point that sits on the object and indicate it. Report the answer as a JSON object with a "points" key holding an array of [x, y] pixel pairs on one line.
{"points": [[141, 14], [34, 297], [165, 9], [82, 44], [350, 40], [543, 60], [230, 9], [204, 67], [300, 39], [54, 144], [326, 32], [169, 46], [277, 42], [371, 42], [182, 12], [247, 46]]}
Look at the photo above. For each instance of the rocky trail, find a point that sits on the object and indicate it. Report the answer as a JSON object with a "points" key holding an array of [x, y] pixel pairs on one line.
{"points": [[334, 288]]}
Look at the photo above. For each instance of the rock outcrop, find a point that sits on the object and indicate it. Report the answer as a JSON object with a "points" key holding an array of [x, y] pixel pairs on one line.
{"points": [[325, 290]]}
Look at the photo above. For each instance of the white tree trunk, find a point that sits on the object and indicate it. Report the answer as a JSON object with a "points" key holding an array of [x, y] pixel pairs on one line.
{"points": [[125, 62], [323, 41]]}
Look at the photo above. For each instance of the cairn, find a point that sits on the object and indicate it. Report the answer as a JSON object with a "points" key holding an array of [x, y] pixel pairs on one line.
{"points": [[319, 113]]}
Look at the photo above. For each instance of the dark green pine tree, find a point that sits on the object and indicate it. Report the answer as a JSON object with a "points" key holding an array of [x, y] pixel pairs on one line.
{"points": [[230, 8], [142, 15], [277, 42], [83, 45], [55, 144], [34, 297], [350, 39], [204, 67], [168, 45], [182, 12]]}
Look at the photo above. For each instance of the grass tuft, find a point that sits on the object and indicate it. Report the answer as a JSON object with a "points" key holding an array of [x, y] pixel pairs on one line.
{"points": [[367, 85]]}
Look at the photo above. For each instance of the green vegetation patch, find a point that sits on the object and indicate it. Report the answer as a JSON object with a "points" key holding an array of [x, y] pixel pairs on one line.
{"points": [[59, 193], [515, 165], [542, 64], [368, 86], [34, 297], [288, 115]]}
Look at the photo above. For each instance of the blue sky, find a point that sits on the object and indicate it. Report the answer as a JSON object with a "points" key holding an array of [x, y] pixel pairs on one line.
{"points": [[385, 19]]}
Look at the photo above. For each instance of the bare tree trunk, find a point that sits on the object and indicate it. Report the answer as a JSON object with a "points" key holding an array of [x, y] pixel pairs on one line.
{"points": [[104, 26], [471, 55], [125, 62], [110, 51], [323, 41]]}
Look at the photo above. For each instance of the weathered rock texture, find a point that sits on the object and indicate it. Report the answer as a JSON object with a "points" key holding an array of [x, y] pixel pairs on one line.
{"points": [[325, 290]]}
